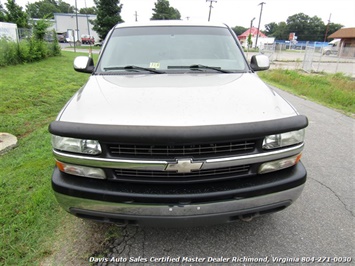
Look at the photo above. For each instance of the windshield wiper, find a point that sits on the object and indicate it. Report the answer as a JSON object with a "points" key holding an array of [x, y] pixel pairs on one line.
{"points": [[152, 70], [198, 66]]}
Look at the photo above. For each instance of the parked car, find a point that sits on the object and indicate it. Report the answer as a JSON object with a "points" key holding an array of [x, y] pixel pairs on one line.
{"points": [[332, 47], [61, 38], [87, 39], [174, 127], [99, 43]]}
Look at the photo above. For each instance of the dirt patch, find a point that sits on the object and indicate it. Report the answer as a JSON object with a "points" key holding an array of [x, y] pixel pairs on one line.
{"points": [[78, 240]]}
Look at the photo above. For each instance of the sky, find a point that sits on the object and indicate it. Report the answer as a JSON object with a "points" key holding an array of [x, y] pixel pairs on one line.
{"points": [[236, 12]]}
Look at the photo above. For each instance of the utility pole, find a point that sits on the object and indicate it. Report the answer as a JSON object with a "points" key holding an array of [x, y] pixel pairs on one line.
{"points": [[261, 12], [87, 20], [251, 26], [209, 15], [326, 31], [76, 32], [249, 38], [88, 25]]}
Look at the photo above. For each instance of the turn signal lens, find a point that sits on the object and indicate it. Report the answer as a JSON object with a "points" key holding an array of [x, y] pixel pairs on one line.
{"points": [[90, 172], [279, 164]]}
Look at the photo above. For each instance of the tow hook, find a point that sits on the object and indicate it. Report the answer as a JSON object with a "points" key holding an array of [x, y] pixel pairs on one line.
{"points": [[247, 217]]}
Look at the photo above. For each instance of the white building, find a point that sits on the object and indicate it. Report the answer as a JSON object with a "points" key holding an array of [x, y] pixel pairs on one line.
{"points": [[8, 30], [75, 25]]}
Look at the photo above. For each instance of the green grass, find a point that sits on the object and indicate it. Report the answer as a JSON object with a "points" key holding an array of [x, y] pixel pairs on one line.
{"points": [[333, 90], [31, 95]]}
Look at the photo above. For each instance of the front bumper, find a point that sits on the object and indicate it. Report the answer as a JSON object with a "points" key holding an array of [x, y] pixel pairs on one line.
{"points": [[183, 206]]}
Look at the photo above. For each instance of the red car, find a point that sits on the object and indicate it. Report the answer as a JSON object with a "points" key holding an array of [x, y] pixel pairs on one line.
{"points": [[87, 39]]}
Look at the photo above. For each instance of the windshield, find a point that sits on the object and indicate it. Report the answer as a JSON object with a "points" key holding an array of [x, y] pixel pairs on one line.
{"points": [[172, 49]]}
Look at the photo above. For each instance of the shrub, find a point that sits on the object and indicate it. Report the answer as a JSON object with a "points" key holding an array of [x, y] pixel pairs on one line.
{"points": [[8, 52], [27, 50], [54, 47]]}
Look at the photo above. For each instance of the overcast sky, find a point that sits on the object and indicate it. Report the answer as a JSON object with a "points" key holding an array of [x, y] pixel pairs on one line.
{"points": [[237, 12]]}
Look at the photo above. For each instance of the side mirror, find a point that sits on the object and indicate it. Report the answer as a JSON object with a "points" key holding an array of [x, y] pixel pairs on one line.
{"points": [[259, 62], [84, 64]]}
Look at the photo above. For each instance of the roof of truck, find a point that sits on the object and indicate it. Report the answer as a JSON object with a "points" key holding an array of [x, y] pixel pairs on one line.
{"points": [[169, 23]]}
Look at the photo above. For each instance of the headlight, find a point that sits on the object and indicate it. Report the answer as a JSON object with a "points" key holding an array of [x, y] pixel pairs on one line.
{"points": [[85, 146], [283, 139]]}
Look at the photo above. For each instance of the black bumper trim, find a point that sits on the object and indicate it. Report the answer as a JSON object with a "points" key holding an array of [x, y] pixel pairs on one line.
{"points": [[184, 134]]}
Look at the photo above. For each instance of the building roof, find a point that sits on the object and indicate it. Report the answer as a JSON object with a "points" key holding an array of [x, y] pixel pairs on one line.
{"points": [[253, 31], [343, 33]]}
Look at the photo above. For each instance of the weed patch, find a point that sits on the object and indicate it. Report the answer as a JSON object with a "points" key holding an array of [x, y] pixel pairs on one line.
{"points": [[26, 51], [333, 90]]}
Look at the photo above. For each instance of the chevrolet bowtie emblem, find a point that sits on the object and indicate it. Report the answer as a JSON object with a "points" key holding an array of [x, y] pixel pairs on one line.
{"points": [[184, 166]]}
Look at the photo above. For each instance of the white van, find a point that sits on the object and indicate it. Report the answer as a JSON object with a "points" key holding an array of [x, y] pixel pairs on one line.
{"points": [[332, 47]]}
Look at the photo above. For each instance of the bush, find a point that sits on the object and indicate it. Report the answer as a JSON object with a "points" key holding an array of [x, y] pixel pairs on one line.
{"points": [[54, 47], [8, 52], [27, 50]]}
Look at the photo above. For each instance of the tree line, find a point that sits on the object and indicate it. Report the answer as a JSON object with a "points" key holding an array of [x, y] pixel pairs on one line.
{"points": [[306, 28], [12, 12], [108, 13]]}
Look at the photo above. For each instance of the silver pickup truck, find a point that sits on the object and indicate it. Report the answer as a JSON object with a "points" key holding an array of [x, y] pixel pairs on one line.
{"points": [[174, 128]]}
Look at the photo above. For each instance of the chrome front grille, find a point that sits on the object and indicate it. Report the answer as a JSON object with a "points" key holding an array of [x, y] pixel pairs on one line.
{"points": [[203, 175], [205, 150]]}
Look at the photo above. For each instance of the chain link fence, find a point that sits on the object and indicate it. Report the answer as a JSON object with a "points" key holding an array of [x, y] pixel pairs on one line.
{"points": [[24, 33], [342, 60], [311, 58], [18, 34]]}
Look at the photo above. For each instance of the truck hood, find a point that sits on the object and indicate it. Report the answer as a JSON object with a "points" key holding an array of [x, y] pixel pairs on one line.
{"points": [[175, 100]]}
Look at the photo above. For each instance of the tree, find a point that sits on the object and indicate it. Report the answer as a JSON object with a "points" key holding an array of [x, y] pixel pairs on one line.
{"points": [[298, 24], [315, 29], [305, 27], [14, 14], [333, 27], [88, 10], [2, 13], [279, 31], [64, 7], [271, 28], [46, 8], [41, 9], [249, 41], [40, 28], [239, 30], [108, 15], [163, 10]]}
